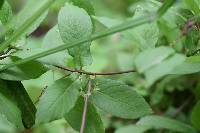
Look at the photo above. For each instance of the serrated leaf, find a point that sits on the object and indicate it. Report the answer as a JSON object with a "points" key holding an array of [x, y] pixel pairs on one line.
{"points": [[85, 4], [74, 23], [30, 8], [29, 70], [119, 99], [9, 107], [195, 115], [24, 103], [131, 128], [159, 122], [6, 126], [5, 12], [57, 100], [93, 120]]}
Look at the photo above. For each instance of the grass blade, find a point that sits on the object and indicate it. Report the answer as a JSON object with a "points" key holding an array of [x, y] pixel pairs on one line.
{"points": [[25, 26]]}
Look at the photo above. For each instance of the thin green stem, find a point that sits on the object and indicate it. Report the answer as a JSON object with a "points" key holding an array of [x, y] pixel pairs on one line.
{"points": [[119, 28], [122, 27], [26, 25], [167, 4]]}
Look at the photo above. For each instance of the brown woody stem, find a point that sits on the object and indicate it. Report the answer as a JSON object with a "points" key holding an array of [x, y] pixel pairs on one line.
{"points": [[86, 97], [94, 73]]}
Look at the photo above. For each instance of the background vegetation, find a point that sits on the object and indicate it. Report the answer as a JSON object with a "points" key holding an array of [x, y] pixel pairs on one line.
{"points": [[164, 53]]}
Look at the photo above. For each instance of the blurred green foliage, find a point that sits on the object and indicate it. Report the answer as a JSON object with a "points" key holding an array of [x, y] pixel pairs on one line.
{"points": [[169, 95]]}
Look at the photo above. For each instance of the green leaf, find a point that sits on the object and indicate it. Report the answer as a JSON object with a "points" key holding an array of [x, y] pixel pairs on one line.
{"points": [[166, 5], [158, 62], [195, 116], [107, 22], [119, 99], [191, 40], [159, 122], [35, 87], [9, 107], [131, 128], [24, 102], [144, 36], [119, 28], [194, 5], [93, 120], [1, 3], [51, 40], [189, 66], [5, 13], [31, 7], [85, 4], [6, 126], [29, 70], [57, 100], [152, 57], [74, 23], [164, 68], [27, 25]]}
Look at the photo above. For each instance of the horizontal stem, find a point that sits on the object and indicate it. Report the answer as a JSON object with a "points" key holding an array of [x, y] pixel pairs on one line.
{"points": [[95, 73], [119, 28], [122, 27]]}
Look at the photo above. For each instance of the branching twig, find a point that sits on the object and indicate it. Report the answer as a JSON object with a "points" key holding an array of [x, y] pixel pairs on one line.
{"points": [[94, 73], [86, 97]]}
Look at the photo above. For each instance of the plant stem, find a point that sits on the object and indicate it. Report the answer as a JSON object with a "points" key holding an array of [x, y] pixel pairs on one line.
{"points": [[94, 73], [86, 97], [119, 28], [26, 25], [122, 27]]}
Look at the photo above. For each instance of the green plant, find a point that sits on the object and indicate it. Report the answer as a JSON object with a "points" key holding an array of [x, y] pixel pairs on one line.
{"points": [[80, 96]]}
